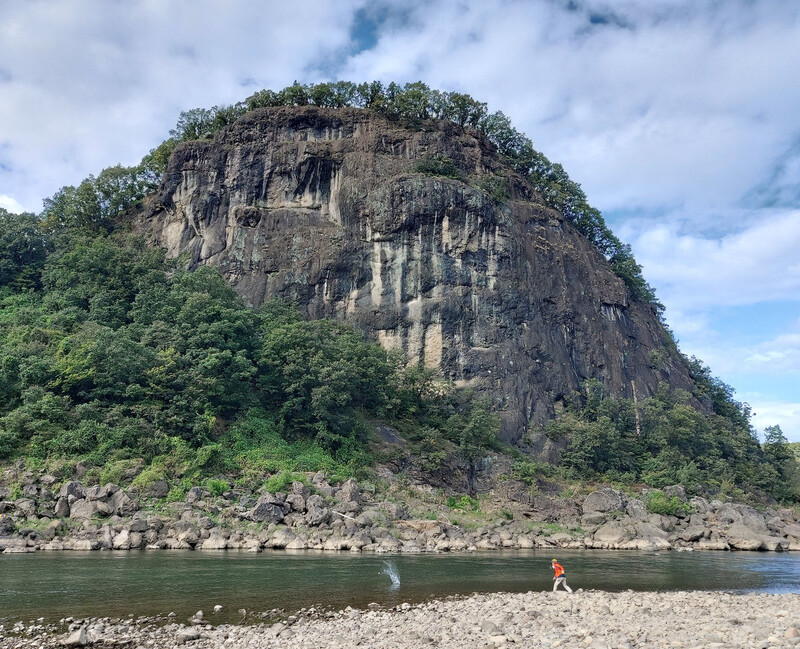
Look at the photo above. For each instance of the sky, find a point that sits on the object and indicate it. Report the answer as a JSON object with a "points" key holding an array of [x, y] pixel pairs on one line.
{"points": [[679, 118]]}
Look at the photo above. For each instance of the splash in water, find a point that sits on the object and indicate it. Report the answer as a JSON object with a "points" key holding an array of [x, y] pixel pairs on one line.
{"points": [[390, 570]]}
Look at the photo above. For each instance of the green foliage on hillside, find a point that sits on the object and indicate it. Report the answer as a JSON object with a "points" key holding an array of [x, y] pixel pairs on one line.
{"points": [[676, 442], [109, 354], [120, 355]]}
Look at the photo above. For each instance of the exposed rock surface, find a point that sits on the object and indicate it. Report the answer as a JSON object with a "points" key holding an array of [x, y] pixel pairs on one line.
{"points": [[323, 206], [354, 517]]}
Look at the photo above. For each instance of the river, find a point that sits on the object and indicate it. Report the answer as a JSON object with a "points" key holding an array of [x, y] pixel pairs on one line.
{"points": [[119, 584]]}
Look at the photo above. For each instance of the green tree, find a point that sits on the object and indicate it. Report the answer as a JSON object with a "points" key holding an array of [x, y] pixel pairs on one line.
{"points": [[24, 246], [475, 432]]}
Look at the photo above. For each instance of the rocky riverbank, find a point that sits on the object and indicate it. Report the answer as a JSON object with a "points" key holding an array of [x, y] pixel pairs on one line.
{"points": [[40, 514], [591, 619]]}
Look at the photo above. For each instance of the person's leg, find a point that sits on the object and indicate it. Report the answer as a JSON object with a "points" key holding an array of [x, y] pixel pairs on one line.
{"points": [[555, 585], [569, 590]]}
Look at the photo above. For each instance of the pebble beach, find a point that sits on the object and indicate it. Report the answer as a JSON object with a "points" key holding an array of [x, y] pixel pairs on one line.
{"points": [[583, 619]]}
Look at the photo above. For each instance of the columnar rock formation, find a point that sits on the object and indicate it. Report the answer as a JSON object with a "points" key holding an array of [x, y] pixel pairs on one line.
{"points": [[324, 207]]}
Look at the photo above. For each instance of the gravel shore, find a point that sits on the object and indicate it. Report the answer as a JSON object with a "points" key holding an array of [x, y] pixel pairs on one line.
{"points": [[584, 619]]}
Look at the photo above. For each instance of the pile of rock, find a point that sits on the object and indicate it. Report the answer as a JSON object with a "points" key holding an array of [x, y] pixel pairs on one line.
{"points": [[613, 520], [352, 517]]}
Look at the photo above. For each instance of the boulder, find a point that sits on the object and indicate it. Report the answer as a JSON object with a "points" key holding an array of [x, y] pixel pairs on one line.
{"points": [[71, 489], [296, 502], [593, 519], [155, 523], [266, 513], [300, 489], [691, 533], [7, 525], [741, 537], [753, 519], [603, 500], [10, 543], [636, 509], [700, 505], [775, 544], [316, 511], [299, 543], [96, 492], [612, 534], [121, 504], [83, 508], [727, 514], [62, 507], [122, 541], [77, 638], [187, 634], [157, 489], [194, 495], [215, 541], [280, 539], [675, 490], [645, 530], [278, 498], [26, 507], [394, 511], [205, 523], [138, 525], [349, 492]]}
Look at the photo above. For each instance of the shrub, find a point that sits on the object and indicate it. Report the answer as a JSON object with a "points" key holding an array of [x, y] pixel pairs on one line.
{"points": [[150, 475], [464, 503], [281, 481], [121, 471], [657, 502], [176, 494], [495, 186], [438, 165], [217, 487], [529, 472]]}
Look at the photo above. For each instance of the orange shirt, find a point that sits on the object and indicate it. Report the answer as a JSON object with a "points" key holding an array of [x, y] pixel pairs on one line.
{"points": [[559, 569]]}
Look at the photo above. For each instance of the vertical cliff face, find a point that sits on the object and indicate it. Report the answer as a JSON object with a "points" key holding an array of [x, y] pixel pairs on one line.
{"points": [[323, 207]]}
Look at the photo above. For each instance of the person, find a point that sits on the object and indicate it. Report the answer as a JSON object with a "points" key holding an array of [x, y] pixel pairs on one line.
{"points": [[560, 578]]}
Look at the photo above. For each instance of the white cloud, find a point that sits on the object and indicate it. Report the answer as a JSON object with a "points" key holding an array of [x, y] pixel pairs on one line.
{"points": [[86, 85], [694, 272], [8, 203], [689, 106], [771, 413]]}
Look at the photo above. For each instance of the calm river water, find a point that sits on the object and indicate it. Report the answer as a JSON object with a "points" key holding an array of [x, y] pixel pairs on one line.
{"points": [[55, 585]]}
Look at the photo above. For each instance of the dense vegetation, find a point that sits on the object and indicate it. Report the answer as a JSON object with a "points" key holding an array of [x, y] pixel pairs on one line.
{"points": [[664, 440], [110, 356]]}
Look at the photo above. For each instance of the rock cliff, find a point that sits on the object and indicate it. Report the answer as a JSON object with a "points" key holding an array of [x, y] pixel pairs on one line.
{"points": [[324, 207]]}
